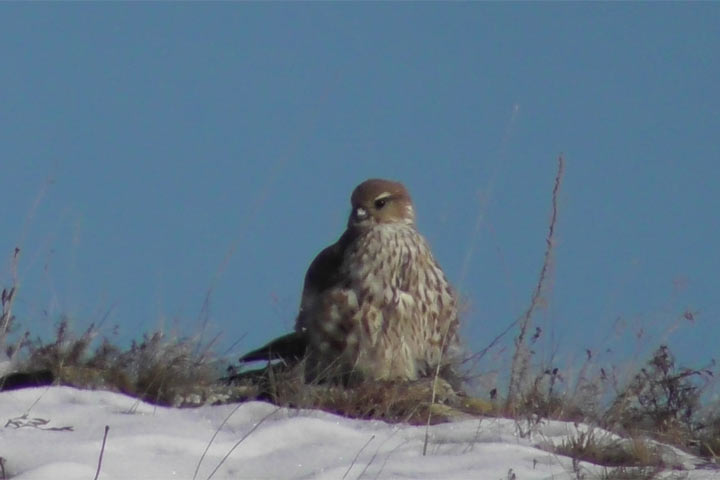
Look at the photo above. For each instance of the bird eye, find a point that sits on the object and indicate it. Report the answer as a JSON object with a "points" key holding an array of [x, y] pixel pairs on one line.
{"points": [[379, 203]]}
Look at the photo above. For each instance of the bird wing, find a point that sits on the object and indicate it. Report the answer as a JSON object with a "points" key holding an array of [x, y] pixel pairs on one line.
{"points": [[323, 274]]}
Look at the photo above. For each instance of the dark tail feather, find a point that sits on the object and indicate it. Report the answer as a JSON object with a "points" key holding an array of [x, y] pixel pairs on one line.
{"points": [[290, 347]]}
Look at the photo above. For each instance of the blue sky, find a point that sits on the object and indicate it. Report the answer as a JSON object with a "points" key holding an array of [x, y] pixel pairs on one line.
{"points": [[153, 152]]}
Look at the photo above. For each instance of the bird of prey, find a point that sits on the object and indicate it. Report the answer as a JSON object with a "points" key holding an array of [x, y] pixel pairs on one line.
{"points": [[375, 304]]}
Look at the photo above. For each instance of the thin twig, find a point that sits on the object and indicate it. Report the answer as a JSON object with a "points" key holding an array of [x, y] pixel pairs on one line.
{"points": [[487, 195], [387, 457], [372, 459], [8, 296], [254, 211], [518, 360], [432, 402], [434, 391], [227, 455], [102, 451], [352, 464], [207, 447]]}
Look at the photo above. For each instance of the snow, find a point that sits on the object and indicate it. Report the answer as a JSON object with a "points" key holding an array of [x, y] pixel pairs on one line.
{"points": [[57, 433]]}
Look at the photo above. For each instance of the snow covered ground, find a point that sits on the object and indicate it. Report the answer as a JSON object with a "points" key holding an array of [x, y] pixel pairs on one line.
{"points": [[57, 433]]}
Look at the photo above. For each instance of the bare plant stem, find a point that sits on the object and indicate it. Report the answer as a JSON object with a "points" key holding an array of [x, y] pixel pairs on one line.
{"points": [[358, 456], [207, 447], [432, 402], [102, 451], [434, 391], [7, 300], [519, 362], [237, 444]]}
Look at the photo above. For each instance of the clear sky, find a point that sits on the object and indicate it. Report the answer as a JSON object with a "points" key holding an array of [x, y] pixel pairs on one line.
{"points": [[155, 152]]}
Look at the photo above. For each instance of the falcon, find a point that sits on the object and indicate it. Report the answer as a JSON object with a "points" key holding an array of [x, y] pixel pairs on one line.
{"points": [[375, 304]]}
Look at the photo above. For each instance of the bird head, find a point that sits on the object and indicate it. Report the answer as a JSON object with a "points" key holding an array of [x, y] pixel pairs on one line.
{"points": [[378, 201]]}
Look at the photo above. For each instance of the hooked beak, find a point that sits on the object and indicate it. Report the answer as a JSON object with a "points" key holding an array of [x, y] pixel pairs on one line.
{"points": [[360, 214]]}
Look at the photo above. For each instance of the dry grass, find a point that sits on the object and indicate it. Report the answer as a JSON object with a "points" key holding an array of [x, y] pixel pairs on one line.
{"points": [[407, 402], [601, 448], [161, 370]]}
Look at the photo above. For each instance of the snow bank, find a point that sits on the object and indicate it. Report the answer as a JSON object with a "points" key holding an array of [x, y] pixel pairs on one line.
{"points": [[57, 432]]}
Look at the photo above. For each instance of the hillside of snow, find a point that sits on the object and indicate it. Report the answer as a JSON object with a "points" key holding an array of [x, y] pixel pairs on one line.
{"points": [[57, 433]]}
